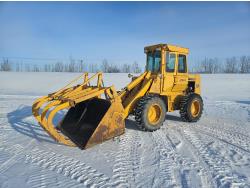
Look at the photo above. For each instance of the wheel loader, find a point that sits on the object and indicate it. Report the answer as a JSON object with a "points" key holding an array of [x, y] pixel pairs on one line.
{"points": [[94, 113]]}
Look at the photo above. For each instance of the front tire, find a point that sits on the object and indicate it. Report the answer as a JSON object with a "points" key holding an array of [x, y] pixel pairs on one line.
{"points": [[150, 113], [191, 107]]}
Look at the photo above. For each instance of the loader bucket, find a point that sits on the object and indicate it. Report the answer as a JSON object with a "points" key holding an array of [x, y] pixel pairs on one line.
{"points": [[93, 121]]}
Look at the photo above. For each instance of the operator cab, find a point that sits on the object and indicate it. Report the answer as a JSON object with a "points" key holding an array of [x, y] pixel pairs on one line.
{"points": [[174, 57]]}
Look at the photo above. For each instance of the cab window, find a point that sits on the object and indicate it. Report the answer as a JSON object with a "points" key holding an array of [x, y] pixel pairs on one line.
{"points": [[182, 64], [170, 64], [153, 61]]}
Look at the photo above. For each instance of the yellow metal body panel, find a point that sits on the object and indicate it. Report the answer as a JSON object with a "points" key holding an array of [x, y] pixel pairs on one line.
{"points": [[196, 78], [111, 125], [156, 85], [167, 47]]}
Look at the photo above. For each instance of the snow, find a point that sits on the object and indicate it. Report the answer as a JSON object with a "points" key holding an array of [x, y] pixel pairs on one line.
{"points": [[214, 152]]}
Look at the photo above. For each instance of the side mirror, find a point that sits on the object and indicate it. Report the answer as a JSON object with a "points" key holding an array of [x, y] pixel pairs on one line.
{"points": [[130, 75]]}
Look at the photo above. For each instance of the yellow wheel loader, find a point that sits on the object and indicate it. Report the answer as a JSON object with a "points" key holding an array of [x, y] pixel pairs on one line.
{"points": [[95, 113]]}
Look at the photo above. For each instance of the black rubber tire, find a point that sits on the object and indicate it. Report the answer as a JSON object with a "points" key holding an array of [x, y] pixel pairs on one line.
{"points": [[185, 107], [141, 111]]}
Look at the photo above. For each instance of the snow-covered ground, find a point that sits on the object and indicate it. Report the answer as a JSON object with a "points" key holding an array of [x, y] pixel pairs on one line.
{"points": [[215, 152]]}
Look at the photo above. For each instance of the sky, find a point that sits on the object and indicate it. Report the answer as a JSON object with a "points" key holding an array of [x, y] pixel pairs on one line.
{"points": [[118, 31]]}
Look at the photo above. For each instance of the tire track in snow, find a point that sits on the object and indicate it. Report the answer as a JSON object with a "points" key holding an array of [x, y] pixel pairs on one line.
{"points": [[166, 163], [9, 157], [238, 140], [126, 167], [4, 156], [186, 169], [49, 161], [68, 167], [248, 113], [148, 161], [152, 158], [219, 167], [3, 139], [227, 151], [236, 155], [199, 164], [41, 178], [52, 162]]}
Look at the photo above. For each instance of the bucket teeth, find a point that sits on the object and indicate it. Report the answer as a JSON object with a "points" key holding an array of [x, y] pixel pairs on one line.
{"points": [[42, 114]]}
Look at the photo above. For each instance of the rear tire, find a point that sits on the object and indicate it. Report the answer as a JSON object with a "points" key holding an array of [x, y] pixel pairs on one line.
{"points": [[191, 107], [150, 113]]}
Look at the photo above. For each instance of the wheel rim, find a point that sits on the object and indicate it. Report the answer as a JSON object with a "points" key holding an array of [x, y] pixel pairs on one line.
{"points": [[154, 114], [195, 108]]}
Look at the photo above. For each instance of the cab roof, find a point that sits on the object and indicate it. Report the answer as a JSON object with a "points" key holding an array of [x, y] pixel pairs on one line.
{"points": [[168, 47]]}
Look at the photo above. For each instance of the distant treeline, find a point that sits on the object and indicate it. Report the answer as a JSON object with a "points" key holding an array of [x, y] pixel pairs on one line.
{"points": [[228, 65], [72, 66], [206, 65]]}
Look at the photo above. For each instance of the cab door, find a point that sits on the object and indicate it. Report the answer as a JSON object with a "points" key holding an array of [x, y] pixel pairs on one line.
{"points": [[170, 71], [181, 76]]}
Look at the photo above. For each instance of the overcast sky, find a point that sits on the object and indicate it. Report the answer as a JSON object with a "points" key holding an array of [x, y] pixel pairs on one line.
{"points": [[118, 31]]}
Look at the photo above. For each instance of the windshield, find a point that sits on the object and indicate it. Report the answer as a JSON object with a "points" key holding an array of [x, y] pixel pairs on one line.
{"points": [[153, 61]]}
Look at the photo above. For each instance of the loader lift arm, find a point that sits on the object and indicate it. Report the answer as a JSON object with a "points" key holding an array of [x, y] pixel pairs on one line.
{"points": [[135, 90]]}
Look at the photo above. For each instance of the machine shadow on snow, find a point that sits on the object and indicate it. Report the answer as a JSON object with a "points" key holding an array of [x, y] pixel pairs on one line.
{"points": [[19, 122], [243, 102], [131, 124], [173, 118]]}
